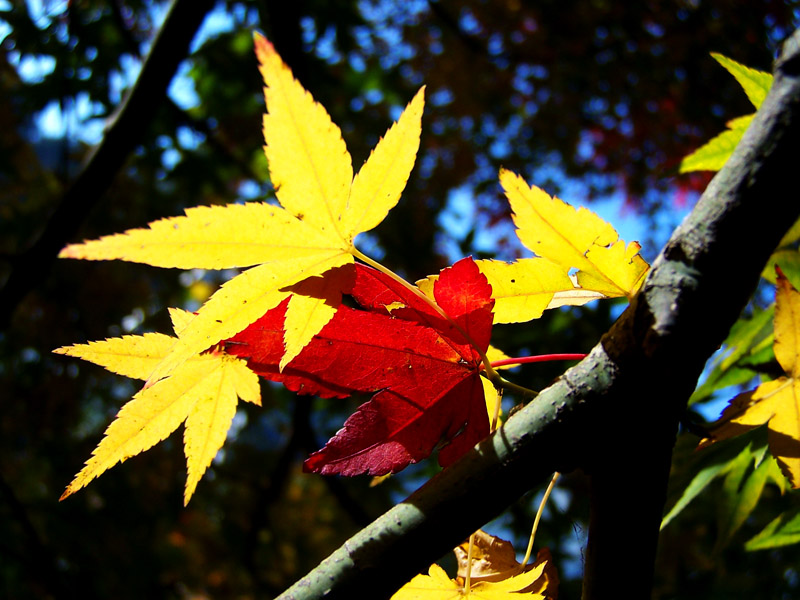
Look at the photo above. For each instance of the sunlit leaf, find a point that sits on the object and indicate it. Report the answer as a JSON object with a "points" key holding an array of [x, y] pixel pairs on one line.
{"points": [[522, 290], [574, 239], [745, 340], [741, 491], [312, 304], [377, 186], [700, 482], [132, 355], [322, 210], [755, 83], [425, 376], [494, 571], [203, 392], [712, 155], [777, 402], [241, 301], [788, 260], [782, 531], [214, 237]]}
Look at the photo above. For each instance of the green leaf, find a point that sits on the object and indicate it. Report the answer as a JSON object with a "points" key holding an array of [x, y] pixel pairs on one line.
{"points": [[789, 262], [698, 484], [792, 236], [713, 462], [782, 531], [776, 476], [713, 154], [755, 83], [746, 338], [748, 335], [742, 499], [720, 379]]}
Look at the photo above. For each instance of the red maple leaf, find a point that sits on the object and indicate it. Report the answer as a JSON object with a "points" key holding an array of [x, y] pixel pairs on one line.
{"points": [[424, 373]]}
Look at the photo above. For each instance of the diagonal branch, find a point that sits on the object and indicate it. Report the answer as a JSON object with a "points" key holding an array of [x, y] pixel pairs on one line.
{"points": [[623, 400], [104, 161]]}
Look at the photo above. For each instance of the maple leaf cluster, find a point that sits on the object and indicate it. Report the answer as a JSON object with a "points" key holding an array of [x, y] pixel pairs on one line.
{"points": [[775, 403], [422, 350], [424, 373]]}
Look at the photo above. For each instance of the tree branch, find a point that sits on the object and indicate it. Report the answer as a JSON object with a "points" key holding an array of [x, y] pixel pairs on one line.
{"points": [[622, 402], [104, 161], [699, 285]]}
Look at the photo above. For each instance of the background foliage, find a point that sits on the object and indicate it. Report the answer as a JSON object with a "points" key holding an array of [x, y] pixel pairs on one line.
{"points": [[586, 100]]}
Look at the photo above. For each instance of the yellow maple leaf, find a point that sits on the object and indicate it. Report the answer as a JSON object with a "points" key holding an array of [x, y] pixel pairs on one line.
{"points": [[133, 356], [522, 290], [495, 574], [573, 239], [180, 319], [490, 394], [312, 304], [436, 585], [202, 391], [323, 210], [777, 402]]}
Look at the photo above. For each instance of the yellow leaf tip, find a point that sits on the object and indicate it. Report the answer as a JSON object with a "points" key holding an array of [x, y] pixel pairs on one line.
{"points": [[72, 488], [69, 251], [259, 39], [263, 47]]}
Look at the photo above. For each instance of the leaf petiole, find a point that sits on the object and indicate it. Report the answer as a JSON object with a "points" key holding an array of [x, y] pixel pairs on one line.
{"points": [[503, 383], [469, 565], [489, 367], [492, 375], [536, 359], [536, 520]]}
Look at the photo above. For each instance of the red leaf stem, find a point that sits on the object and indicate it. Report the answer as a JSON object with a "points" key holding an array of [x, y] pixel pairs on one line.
{"points": [[536, 359]]}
